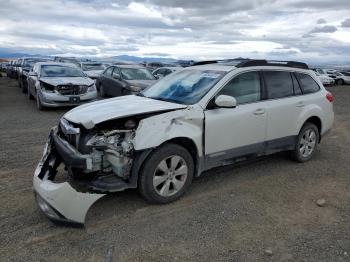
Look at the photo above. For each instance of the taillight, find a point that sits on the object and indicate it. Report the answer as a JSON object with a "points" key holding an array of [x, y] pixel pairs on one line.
{"points": [[330, 97]]}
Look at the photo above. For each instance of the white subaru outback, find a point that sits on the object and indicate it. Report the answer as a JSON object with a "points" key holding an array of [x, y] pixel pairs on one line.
{"points": [[198, 118]]}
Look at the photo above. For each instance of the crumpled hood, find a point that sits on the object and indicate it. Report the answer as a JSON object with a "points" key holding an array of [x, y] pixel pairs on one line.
{"points": [[55, 81], [97, 112], [93, 73], [141, 83]]}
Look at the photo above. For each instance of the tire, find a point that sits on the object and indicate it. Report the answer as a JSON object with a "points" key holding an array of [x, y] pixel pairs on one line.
{"points": [[29, 95], [24, 90], [168, 167], [306, 143], [39, 105], [340, 82], [102, 91]]}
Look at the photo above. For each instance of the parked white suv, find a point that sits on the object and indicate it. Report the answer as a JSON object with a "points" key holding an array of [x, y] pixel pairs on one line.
{"points": [[191, 121]]}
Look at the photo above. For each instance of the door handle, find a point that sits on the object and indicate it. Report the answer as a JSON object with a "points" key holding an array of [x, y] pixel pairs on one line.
{"points": [[259, 111], [300, 104]]}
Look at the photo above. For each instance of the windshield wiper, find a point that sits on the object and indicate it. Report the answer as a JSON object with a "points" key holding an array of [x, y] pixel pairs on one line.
{"points": [[168, 100]]}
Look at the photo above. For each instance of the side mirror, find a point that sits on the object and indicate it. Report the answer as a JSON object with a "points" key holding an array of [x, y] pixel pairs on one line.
{"points": [[224, 101], [117, 77], [31, 73]]}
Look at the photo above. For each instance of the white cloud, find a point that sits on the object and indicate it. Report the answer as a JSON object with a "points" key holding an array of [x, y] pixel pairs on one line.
{"points": [[182, 29]]}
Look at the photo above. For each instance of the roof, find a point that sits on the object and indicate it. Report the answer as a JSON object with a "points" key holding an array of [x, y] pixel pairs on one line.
{"points": [[129, 66], [217, 67], [56, 63]]}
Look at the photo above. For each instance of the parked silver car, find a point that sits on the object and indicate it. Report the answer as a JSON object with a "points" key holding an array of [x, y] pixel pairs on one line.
{"points": [[55, 84], [92, 69]]}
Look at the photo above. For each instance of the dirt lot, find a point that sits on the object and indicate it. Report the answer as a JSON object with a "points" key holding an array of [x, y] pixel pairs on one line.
{"points": [[230, 214]]}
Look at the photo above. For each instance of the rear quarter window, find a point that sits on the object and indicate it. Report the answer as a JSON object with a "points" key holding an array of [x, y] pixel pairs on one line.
{"points": [[308, 84]]}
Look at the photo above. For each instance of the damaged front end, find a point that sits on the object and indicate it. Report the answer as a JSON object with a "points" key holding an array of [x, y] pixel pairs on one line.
{"points": [[97, 161]]}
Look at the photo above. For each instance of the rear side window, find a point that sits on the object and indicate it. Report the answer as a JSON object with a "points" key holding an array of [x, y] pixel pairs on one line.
{"points": [[279, 84], [308, 84], [245, 88]]}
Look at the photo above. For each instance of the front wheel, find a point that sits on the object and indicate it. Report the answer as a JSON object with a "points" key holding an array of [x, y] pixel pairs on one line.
{"points": [[39, 104], [166, 174], [306, 143], [30, 96], [102, 91]]}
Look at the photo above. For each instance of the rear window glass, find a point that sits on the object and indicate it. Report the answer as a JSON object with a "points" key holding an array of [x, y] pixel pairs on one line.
{"points": [[279, 84], [308, 84]]}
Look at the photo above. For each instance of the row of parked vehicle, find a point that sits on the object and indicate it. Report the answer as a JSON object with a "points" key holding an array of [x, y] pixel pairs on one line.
{"points": [[331, 76], [67, 81]]}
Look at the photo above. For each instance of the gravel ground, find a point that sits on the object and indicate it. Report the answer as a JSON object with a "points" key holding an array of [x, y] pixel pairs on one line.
{"points": [[263, 211]]}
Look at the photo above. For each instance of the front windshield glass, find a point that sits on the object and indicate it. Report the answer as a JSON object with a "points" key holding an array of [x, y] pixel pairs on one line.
{"points": [[136, 74], [30, 62], [184, 87], [346, 73], [90, 67], [60, 71]]}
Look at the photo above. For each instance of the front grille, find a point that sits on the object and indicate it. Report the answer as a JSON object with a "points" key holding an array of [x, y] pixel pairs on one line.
{"points": [[72, 89]]}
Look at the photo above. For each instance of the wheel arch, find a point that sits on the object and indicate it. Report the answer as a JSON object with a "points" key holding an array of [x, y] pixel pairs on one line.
{"points": [[185, 142], [317, 122]]}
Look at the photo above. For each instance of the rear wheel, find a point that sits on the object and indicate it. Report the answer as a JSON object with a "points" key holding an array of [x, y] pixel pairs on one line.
{"points": [[167, 174], [340, 82], [306, 144]]}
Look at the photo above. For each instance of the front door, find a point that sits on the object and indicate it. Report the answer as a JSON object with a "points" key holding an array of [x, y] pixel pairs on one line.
{"points": [[239, 131]]}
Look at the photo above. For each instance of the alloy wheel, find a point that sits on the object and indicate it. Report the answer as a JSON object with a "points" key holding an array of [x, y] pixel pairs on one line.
{"points": [[307, 143], [170, 176]]}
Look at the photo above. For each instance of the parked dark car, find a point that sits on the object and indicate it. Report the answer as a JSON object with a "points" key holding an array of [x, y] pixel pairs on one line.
{"points": [[119, 80], [24, 68], [10, 70]]}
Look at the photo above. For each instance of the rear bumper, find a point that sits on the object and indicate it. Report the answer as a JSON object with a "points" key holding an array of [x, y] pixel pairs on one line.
{"points": [[60, 201]]}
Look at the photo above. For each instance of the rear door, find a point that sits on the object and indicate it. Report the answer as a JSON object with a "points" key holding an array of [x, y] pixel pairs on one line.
{"points": [[105, 79], [285, 104], [116, 83]]}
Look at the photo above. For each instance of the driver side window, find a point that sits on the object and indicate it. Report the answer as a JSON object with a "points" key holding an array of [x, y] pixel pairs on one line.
{"points": [[245, 88], [108, 71]]}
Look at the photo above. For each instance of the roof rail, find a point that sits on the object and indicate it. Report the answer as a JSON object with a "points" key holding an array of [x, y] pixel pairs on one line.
{"points": [[205, 62], [294, 64]]}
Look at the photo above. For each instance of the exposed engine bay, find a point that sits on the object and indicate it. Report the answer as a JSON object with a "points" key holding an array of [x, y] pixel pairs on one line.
{"points": [[107, 151], [112, 151]]}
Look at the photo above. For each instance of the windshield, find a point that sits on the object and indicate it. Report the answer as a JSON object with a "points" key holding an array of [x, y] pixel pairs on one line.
{"points": [[346, 73], [60, 71], [184, 87], [90, 67], [136, 74]]}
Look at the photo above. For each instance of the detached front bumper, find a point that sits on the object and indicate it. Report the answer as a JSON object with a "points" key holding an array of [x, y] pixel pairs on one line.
{"points": [[59, 201]]}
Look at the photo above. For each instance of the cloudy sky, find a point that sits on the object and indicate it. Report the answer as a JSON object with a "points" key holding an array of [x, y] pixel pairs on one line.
{"points": [[314, 31]]}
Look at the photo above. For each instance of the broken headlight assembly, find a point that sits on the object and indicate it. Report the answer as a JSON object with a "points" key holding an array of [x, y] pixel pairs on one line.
{"points": [[91, 88], [47, 87]]}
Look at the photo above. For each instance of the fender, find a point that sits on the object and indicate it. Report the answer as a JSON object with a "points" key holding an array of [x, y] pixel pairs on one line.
{"points": [[309, 111], [184, 123]]}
